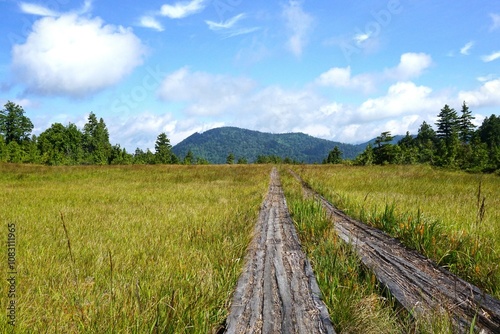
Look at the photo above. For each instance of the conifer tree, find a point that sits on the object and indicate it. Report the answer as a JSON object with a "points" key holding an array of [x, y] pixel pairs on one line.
{"points": [[334, 156], [163, 149], [447, 123], [96, 141], [466, 128]]}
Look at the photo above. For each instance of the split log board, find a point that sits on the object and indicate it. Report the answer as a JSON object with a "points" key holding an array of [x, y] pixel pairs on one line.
{"points": [[277, 291], [420, 285]]}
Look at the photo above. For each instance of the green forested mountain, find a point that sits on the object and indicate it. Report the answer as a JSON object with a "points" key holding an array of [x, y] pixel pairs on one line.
{"points": [[215, 145]]}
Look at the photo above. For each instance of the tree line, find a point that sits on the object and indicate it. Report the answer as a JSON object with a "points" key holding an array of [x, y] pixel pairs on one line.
{"points": [[68, 145], [455, 143]]}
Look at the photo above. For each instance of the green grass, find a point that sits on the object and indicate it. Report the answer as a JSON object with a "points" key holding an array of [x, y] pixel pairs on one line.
{"points": [[158, 249], [355, 300], [140, 249], [439, 213]]}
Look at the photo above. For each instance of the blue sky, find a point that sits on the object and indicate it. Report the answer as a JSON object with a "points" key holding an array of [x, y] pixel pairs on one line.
{"points": [[341, 70]]}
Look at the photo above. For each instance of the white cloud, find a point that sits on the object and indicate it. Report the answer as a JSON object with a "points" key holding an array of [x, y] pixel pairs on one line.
{"points": [[142, 129], [39, 10], [361, 37], [494, 56], [402, 98], [178, 10], [206, 94], [336, 76], [331, 109], [341, 77], [34, 9], [242, 31], [488, 95], [277, 110], [75, 56], [274, 109], [182, 9], [150, 22], [411, 65], [465, 50], [23, 102], [225, 24], [319, 130], [495, 24], [299, 25], [227, 28], [485, 78]]}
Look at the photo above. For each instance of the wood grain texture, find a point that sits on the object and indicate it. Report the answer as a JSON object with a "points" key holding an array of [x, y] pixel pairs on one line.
{"points": [[415, 281], [277, 291]]}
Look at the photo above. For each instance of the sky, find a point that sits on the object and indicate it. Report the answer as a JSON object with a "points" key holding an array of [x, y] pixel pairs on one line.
{"points": [[342, 70]]}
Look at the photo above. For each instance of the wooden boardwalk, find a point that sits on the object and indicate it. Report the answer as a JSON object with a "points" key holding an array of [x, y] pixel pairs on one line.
{"points": [[416, 282], [277, 291]]}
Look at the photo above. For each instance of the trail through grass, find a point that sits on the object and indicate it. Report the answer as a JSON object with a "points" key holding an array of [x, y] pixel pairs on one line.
{"points": [[356, 301], [451, 217]]}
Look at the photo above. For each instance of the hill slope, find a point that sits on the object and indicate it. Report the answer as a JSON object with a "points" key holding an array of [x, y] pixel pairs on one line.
{"points": [[215, 145]]}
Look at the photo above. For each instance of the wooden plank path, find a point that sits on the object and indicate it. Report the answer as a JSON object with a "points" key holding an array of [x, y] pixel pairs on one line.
{"points": [[415, 281], [277, 291]]}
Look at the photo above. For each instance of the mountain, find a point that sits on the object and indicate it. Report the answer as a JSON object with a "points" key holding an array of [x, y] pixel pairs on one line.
{"points": [[216, 144]]}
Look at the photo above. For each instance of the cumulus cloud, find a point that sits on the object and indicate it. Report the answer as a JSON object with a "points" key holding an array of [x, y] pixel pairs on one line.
{"points": [[403, 107], [142, 129], [491, 57], [299, 24], [488, 95], [401, 99], [465, 50], [341, 77], [75, 56], [274, 109], [226, 100], [206, 94], [411, 65], [182, 9]]}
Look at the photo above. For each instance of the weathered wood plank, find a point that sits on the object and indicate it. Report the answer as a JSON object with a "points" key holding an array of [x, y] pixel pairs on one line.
{"points": [[416, 282], [277, 291]]}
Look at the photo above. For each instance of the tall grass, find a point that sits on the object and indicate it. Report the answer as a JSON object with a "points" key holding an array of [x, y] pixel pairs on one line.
{"points": [[355, 300], [138, 249], [451, 217]]}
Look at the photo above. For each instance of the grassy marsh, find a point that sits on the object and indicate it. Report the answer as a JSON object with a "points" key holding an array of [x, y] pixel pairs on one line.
{"points": [[451, 217], [153, 248]]}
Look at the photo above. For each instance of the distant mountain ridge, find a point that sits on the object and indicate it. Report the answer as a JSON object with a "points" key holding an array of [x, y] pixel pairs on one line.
{"points": [[216, 144]]}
